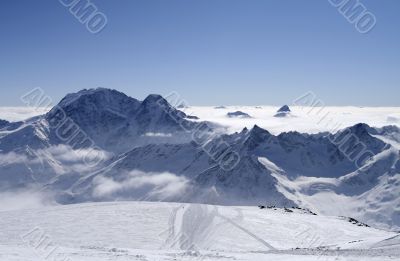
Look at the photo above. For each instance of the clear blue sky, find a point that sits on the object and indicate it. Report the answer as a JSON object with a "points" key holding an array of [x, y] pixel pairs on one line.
{"points": [[212, 52]]}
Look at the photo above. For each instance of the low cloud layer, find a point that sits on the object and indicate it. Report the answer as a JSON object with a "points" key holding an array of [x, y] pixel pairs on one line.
{"points": [[24, 199], [20, 113], [304, 119], [157, 134], [141, 185], [61, 158], [12, 158], [75, 160]]}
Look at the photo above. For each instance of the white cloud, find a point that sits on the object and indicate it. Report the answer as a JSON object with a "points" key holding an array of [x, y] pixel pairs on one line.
{"points": [[20, 113], [306, 119], [11, 158], [24, 199], [393, 119], [63, 159], [157, 134], [66, 154], [150, 185]]}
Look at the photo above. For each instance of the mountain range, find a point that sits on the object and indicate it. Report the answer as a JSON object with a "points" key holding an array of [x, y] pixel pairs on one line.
{"points": [[101, 145]]}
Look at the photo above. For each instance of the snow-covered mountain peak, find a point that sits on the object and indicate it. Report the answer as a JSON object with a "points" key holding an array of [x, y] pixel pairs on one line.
{"points": [[154, 98], [284, 108], [158, 102], [284, 111], [357, 136], [256, 130], [238, 114], [256, 136], [360, 129], [95, 95], [109, 119], [259, 133], [95, 102], [156, 110]]}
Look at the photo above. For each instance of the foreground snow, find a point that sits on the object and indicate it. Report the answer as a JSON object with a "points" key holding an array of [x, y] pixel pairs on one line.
{"points": [[170, 231]]}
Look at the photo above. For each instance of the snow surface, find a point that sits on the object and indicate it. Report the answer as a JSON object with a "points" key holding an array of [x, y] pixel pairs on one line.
{"points": [[171, 231]]}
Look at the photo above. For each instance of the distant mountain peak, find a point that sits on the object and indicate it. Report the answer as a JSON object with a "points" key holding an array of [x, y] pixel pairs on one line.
{"points": [[284, 111], [157, 104], [95, 101], [238, 114], [72, 98], [284, 108], [155, 99]]}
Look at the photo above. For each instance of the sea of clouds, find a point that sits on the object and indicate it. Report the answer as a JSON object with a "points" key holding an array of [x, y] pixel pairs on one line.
{"points": [[302, 119]]}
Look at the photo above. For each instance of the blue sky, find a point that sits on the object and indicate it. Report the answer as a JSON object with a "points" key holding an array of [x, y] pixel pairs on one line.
{"points": [[233, 52]]}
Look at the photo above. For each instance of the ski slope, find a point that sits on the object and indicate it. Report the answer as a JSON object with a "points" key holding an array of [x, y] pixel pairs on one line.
{"points": [[172, 231]]}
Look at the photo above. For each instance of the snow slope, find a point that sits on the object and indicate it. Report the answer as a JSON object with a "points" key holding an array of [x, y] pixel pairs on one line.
{"points": [[170, 231]]}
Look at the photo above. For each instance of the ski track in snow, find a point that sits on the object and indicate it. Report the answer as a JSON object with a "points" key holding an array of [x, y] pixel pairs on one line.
{"points": [[170, 231]]}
